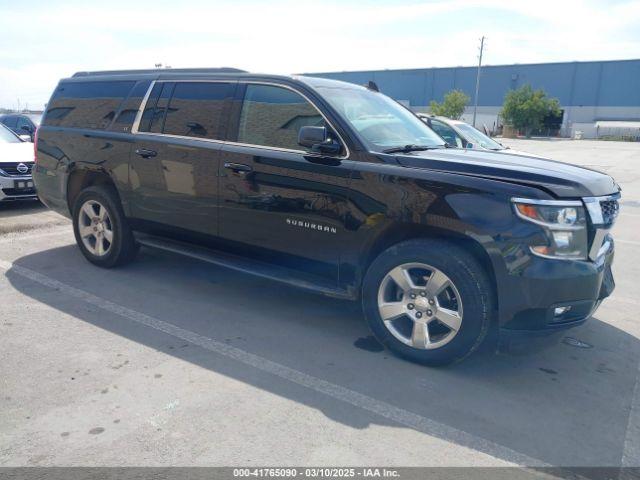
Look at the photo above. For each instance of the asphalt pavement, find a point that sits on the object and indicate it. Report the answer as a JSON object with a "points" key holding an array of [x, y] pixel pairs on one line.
{"points": [[169, 361]]}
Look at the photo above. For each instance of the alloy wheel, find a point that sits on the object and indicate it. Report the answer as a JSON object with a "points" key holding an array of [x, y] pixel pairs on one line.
{"points": [[95, 228], [420, 306]]}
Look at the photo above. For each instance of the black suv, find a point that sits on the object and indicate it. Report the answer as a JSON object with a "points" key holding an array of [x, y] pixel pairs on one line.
{"points": [[332, 187]]}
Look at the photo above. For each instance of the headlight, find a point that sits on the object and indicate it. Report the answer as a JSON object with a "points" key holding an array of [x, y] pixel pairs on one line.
{"points": [[564, 223]]}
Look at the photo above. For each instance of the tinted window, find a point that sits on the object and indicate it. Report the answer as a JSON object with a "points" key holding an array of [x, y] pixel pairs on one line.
{"points": [[129, 110], [196, 109], [149, 108], [157, 119], [24, 122], [86, 104], [10, 122], [476, 138], [272, 116], [447, 133]]}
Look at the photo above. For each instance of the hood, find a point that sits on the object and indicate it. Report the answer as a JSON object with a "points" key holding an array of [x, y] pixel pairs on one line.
{"points": [[511, 151], [561, 179], [520, 153], [16, 152]]}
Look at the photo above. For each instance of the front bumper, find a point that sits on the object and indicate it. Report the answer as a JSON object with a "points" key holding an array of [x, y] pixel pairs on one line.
{"points": [[11, 188], [555, 295]]}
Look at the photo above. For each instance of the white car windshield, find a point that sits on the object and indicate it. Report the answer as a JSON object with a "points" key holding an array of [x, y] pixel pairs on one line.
{"points": [[7, 136], [478, 138], [380, 122]]}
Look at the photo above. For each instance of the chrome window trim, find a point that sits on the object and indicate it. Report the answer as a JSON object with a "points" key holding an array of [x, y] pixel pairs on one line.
{"points": [[136, 123], [182, 137], [143, 104]]}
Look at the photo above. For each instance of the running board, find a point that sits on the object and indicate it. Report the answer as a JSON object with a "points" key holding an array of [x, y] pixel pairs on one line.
{"points": [[240, 264]]}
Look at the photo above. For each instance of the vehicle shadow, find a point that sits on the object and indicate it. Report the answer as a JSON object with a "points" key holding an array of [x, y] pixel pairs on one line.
{"points": [[565, 405], [25, 215], [18, 208]]}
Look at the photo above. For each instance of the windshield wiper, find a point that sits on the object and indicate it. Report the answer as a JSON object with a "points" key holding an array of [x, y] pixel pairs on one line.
{"points": [[411, 148]]}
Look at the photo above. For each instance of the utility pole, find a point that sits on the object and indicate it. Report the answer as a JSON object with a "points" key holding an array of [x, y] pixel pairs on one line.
{"points": [[475, 106]]}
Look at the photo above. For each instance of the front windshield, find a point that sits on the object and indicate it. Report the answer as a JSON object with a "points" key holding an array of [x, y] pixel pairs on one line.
{"points": [[379, 121], [7, 136], [478, 138]]}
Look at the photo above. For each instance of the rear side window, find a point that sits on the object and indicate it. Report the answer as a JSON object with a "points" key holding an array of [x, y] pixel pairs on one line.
{"points": [[272, 116], [157, 120], [24, 122], [196, 109], [149, 108], [86, 104], [446, 132], [129, 109], [10, 122], [154, 111]]}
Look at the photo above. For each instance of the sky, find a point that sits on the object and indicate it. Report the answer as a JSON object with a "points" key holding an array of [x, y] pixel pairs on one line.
{"points": [[43, 41]]}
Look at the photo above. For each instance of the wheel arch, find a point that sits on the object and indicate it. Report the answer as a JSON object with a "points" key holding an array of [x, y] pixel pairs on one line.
{"points": [[401, 233], [81, 178]]}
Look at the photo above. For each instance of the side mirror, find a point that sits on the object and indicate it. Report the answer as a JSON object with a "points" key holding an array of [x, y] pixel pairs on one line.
{"points": [[316, 139], [469, 145], [25, 138]]}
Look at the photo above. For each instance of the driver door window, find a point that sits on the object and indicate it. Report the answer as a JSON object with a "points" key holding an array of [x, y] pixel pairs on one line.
{"points": [[272, 116], [447, 133]]}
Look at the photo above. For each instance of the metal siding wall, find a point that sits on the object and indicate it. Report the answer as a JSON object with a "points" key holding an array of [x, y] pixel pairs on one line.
{"points": [[620, 84], [615, 83], [495, 82], [585, 84], [555, 79]]}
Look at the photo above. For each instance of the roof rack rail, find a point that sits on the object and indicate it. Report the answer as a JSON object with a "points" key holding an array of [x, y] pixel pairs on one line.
{"points": [[159, 70]]}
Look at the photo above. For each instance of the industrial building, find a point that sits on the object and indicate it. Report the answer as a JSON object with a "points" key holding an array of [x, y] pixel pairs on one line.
{"points": [[598, 98]]}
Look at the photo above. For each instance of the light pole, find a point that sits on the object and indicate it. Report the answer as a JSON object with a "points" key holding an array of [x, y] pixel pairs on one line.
{"points": [[475, 106]]}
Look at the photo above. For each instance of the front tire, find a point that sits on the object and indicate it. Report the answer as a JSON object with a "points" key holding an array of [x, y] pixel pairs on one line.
{"points": [[101, 229], [428, 301]]}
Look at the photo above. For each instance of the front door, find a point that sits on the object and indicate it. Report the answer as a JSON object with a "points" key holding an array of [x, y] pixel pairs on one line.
{"points": [[278, 201], [174, 163]]}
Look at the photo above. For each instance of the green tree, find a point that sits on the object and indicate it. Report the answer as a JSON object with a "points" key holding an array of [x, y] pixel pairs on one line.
{"points": [[525, 108], [452, 106]]}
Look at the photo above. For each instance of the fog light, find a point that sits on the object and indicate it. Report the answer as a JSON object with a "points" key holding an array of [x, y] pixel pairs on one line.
{"points": [[561, 311]]}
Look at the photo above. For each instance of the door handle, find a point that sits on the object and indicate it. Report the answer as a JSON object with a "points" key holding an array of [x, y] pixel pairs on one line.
{"points": [[238, 167], [146, 153]]}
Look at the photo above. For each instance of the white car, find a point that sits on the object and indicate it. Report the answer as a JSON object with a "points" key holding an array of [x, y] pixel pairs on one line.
{"points": [[16, 163], [462, 135]]}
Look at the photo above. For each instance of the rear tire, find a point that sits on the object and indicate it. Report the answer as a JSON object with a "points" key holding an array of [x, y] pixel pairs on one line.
{"points": [[101, 228], [436, 299]]}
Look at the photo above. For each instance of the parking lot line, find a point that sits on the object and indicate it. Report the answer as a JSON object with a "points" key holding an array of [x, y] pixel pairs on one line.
{"points": [[335, 391], [631, 447]]}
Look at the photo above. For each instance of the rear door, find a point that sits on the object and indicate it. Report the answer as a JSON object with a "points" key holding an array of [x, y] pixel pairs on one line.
{"points": [[280, 202], [174, 162]]}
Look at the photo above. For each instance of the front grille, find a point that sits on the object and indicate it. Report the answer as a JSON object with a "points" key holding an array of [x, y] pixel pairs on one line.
{"points": [[610, 209], [12, 192], [11, 169], [602, 213]]}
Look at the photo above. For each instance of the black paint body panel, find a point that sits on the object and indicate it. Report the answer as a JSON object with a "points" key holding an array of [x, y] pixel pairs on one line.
{"points": [[330, 216]]}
